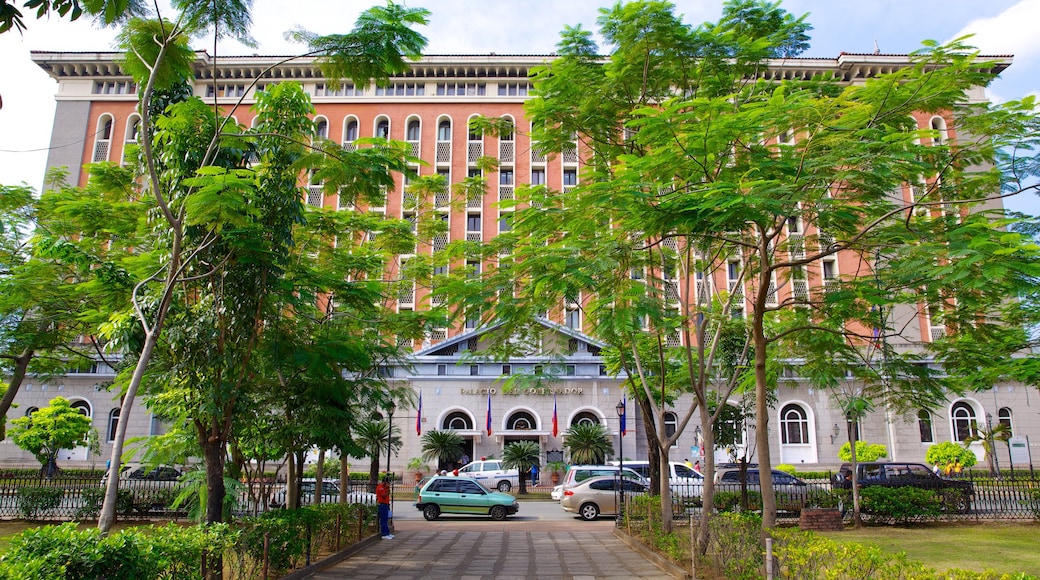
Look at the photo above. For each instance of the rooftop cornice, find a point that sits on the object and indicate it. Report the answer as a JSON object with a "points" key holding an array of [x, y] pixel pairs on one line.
{"points": [[848, 67]]}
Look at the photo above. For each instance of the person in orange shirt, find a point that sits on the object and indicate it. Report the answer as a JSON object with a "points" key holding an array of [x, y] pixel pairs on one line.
{"points": [[383, 501]]}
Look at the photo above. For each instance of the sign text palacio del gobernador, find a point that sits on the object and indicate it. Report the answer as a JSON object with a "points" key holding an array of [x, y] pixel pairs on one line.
{"points": [[524, 391]]}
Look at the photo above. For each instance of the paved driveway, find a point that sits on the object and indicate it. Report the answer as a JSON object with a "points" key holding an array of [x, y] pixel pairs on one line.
{"points": [[477, 548]]}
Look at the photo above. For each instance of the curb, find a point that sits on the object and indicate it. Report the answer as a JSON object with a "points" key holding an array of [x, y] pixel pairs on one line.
{"points": [[336, 558], [666, 565]]}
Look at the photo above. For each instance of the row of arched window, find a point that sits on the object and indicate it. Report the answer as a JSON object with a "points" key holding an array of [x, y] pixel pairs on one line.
{"points": [[964, 423]]}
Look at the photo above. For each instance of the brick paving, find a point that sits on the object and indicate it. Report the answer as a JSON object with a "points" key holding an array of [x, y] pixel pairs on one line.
{"points": [[500, 550]]}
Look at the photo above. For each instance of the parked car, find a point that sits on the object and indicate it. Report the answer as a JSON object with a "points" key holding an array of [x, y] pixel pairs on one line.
{"points": [[491, 474], [579, 473], [138, 471], [683, 480], [329, 494], [462, 495], [791, 492], [598, 496], [957, 495]]}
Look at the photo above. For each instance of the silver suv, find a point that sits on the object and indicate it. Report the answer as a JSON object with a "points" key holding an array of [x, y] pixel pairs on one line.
{"points": [[491, 474]]}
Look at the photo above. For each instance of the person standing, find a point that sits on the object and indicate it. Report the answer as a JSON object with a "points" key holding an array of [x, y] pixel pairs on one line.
{"points": [[383, 501], [534, 474]]}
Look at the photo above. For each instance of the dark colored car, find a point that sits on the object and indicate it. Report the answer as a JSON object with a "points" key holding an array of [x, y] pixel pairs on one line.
{"points": [[957, 495], [791, 492]]}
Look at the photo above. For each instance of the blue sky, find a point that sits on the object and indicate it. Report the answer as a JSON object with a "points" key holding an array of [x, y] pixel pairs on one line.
{"points": [[530, 27]]}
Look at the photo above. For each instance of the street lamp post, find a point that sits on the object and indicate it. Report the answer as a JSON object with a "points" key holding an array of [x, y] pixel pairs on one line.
{"points": [[992, 443], [390, 408], [620, 408]]}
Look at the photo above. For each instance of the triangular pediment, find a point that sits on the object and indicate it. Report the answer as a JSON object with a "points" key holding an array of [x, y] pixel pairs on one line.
{"points": [[543, 339]]}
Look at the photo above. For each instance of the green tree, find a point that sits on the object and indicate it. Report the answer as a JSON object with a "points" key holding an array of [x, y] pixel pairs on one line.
{"points": [[49, 430], [522, 456], [222, 220], [588, 443], [372, 436], [988, 437], [444, 447], [697, 161], [864, 451]]}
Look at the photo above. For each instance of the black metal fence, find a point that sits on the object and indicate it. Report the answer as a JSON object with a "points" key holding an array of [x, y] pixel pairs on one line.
{"points": [[72, 497], [1005, 497]]}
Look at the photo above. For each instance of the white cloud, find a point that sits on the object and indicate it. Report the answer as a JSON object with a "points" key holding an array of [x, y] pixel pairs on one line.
{"points": [[1013, 31]]}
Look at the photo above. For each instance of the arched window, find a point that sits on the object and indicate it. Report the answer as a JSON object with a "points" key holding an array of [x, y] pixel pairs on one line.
{"points": [[321, 128], [507, 131], [444, 130], [476, 134], [1004, 418], [458, 421], [963, 417], [939, 125], [671, 422], [521, 421], [794, 425], [83, 407], [413, 130], [585, 418], [350, 134], [30, 411], [383, 128], [102, 138], [113, 423], [924, 425]]}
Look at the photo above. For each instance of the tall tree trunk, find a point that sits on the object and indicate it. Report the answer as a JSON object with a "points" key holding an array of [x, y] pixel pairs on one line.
{"points": [[319, 477], [213, 456], [664, 475], [765, 468], [708, 486], [653, 447], [21, 366]]}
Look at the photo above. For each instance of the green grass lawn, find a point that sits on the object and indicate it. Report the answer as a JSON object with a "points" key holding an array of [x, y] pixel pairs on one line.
{"points": [[997, 546]]}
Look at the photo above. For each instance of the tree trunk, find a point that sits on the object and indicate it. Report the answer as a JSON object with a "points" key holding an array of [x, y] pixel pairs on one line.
{"points": [[653, 447], [708, 487], [765, 467], [373, 473], [857, 514], [213, 458], [319, 477], [664, 475], [344, 477], [107, 517], [21, 365]]}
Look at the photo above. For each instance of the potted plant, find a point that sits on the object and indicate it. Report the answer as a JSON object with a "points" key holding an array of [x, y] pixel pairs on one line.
{"points": [[556, 467], [419, 466]]}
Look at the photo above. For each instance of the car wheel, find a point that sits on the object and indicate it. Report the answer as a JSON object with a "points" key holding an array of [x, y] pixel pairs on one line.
{"points": [[498, 513], [431, 512], [504, 486], [589, 512]]}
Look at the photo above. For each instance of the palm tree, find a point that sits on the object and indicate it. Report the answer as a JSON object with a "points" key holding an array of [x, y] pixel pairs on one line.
{"points": [[589, 443], [371, 435], [444, 447], [521, 455], [988, 438]]}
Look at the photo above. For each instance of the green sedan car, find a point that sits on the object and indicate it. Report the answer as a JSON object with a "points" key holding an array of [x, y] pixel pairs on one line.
{"points": [[460, 495]]}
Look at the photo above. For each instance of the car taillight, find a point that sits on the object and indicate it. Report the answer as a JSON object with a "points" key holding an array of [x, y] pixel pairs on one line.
{"points": [[568, 492], [419, 500]]}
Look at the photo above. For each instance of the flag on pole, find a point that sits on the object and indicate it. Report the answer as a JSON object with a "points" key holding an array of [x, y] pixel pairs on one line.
{"points": [[624, 415], [489, 413], [418, 417], [556, 421]]}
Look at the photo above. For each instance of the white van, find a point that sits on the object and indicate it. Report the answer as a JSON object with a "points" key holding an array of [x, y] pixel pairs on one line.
{"points": [[683, 480], [491, 474]]}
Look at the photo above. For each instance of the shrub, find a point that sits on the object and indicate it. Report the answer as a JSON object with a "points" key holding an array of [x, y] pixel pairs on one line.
{"points": [[949, 456], [901, 504], [65, 552], [735, 545], [33, 501], [864, 451], [786, 468]]}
